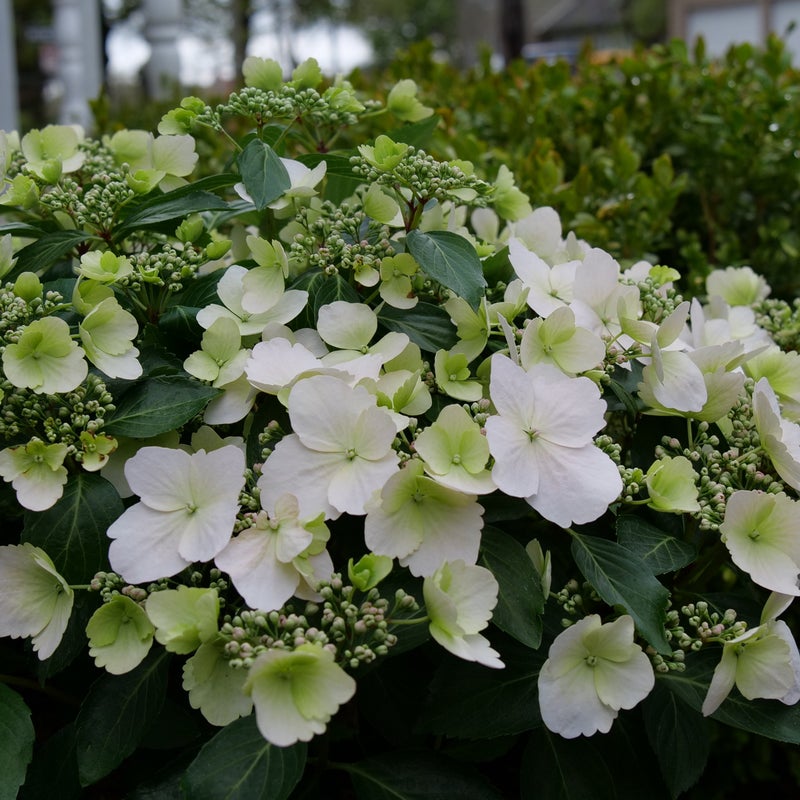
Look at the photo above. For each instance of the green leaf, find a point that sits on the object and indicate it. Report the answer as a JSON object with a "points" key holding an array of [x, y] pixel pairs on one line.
{"points": [[417, 776], [565, 769], [16, 742], [169, 207], [198, 293], [181, 321], [53, 764], [44, 252], [417, 133], [115, 715], [322, 289], [158, 405], [769, 718], [451, 260], [470, 701], [239, 764], [21, 229], [427, 325], [520, 602], [660, 551], [264, 176], [680, 738], [621, 578], [73, 531]]}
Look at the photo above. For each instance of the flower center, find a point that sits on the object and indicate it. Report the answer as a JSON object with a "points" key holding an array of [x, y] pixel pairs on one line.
{"points": [[591, 661], [350, 453], [754, 535]]}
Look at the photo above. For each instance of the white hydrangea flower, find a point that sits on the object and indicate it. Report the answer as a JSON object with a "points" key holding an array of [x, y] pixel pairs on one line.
{"points": [[592, 671], [187, 509], [763, 662], [762, 534], [780, 438], [340, 451], [541, 439]]}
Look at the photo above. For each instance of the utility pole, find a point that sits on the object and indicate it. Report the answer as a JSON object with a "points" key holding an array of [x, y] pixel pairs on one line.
{"points": [[9, 93]]}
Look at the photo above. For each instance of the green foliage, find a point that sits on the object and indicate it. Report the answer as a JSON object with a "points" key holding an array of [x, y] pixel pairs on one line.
{"points": [[660, 152]]}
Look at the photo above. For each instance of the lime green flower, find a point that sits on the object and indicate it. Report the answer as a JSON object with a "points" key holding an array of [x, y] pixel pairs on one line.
{"points": [[214, 687], [510, 202], [455, 452], [184, 618], [104, 266], [672, 485], [53, 151], [120, 635], [296, 693], [36, 471], [453, 376], [385, 155], [368, 571], [45, 358], [262, 73], [36, 601], [404, 103], [107, 334]]}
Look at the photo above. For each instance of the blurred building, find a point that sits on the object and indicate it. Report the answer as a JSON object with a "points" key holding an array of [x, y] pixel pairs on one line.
{"points": [[722, 23]]}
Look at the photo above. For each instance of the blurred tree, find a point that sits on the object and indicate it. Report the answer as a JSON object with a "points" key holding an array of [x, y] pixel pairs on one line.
{"points": [[30, 16], [389, 26]]}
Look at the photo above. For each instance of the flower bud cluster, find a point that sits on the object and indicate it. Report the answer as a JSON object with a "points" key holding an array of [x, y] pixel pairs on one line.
{"points": [[427, 178], [94, 201], [709, 625], [167, 267], [109, 584], [287, 102], [341, 238], [16, 311], [60, 418], [781, 321], [353, 625], [658, 302], [575, 598]]}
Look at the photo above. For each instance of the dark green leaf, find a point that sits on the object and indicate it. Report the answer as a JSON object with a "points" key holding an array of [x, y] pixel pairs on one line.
{"points": [[322, 289], [470, 701], [417, 776], [451, 260], [168, 207], [679, 738], [73, 642], [115, 715], [661, 551], [417, 133], [264, 176], [239, 764], [520, 601], [44, 252], [199, 292], [769, 718], [158, 405], [73, 531], [427, 325], [53, 764], [181, 321], [21, 229], [16, 742], [621, 578], [566, 769]]}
